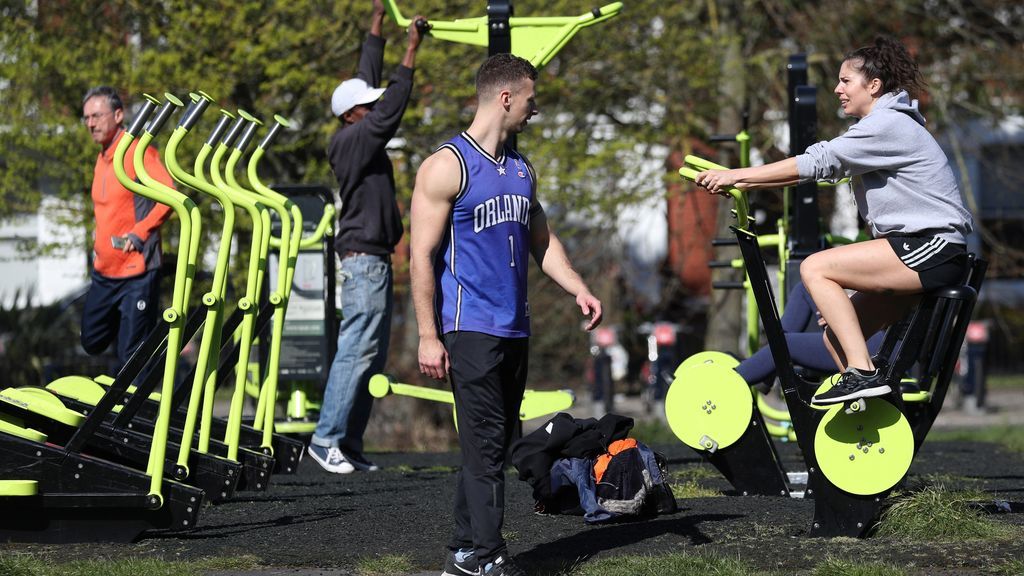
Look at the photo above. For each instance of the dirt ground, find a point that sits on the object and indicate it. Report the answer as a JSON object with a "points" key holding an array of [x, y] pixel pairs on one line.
{"points": [[314, 522]]}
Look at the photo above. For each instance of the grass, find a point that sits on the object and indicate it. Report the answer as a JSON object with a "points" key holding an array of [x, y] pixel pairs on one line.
{"points": [[834, 567], [685, 482], [1010, 437], [703, 565], [25, 565], [385, 565], [1005, 381], [1011, 568], [936, 514], [653, 431], [406, 469], [691, 489]]}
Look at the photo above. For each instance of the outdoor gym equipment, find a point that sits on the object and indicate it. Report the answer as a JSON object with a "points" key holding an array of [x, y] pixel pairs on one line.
{"points": [[536, 39], [308, 344], [54, 492], [536, 403], [857, 452], [125, 439]]}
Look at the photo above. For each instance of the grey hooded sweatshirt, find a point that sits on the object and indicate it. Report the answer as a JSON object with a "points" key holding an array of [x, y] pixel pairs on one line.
{"points": [[906, 185]]}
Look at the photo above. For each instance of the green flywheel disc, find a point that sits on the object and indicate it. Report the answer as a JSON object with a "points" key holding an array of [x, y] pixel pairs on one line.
{"points": [[865, 452], [709, 402], [709, 357]]}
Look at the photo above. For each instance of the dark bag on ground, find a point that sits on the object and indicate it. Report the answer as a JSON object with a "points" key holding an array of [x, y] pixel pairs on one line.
{"points": [[592, 468]]}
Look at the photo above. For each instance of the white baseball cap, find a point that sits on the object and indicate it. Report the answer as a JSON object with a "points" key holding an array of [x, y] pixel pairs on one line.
{"points": [[351, 93]]}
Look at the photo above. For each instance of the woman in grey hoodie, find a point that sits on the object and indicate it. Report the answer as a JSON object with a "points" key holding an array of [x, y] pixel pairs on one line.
{"points": [[905, 192]]}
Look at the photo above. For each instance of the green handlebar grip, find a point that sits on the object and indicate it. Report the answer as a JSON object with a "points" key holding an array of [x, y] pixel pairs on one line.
{"points": [[739, 198], [702, 164]]}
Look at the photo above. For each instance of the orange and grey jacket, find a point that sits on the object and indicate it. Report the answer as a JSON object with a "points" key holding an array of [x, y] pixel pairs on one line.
{"points": [[121, 213]]}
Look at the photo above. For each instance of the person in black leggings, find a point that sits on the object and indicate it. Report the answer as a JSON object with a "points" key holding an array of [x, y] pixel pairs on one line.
{"points": [[803, 336]]}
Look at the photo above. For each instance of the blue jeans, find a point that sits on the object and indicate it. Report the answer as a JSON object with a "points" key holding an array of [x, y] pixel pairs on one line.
{"points": [[363, 336]]}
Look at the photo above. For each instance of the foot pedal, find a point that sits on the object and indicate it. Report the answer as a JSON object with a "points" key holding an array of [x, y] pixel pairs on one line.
{"points": [[708, 444], [858, 405]]}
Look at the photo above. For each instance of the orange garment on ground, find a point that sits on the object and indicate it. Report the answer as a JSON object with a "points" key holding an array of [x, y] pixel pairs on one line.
{"points": [[120, 212], [601, 464]]}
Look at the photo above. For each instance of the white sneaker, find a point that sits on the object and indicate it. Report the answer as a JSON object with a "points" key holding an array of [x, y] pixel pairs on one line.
{"points": [[331, 459]]}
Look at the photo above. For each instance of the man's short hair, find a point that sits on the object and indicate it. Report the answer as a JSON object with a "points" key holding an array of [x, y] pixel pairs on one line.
{"points": [[500, 71], [113, 98]]}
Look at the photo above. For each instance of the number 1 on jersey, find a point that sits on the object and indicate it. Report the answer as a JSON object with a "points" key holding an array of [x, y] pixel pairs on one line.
{"points": [[512, 250]]}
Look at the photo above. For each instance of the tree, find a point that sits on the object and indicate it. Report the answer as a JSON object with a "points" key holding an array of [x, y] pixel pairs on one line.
{"points": [[621, 97]]}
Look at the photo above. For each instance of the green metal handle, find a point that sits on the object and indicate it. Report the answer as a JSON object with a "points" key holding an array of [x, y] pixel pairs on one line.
{"points": [[740, 207], [536, 39]]}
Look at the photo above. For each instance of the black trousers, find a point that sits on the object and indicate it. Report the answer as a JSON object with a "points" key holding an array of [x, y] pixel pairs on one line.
{"points": [[125, 309], [488, 378]]}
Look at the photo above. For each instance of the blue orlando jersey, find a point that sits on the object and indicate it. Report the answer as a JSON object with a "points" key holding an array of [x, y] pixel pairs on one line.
{"points": [[482, 260]]}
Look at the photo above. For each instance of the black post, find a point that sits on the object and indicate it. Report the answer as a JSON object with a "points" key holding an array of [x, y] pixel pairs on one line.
{"points": [[499, 33], [499, 38], [804, 218]]}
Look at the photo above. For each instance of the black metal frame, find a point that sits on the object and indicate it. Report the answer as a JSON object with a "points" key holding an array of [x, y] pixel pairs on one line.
{"points": [[942, 318]]}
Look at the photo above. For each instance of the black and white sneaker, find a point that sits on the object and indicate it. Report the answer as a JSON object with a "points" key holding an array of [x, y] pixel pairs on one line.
{"points": [[853, 385], [359, 461], [502, 566], [331, 459], [461, 562]]}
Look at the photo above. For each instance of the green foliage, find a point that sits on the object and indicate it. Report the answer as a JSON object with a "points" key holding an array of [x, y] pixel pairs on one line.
{"points": [[936, 514], [619, 103], [30, 337]]}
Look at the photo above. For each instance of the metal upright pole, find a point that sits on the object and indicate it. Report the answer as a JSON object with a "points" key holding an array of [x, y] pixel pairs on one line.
{"points": [[499, 37], [804, 236], [499, 33]]}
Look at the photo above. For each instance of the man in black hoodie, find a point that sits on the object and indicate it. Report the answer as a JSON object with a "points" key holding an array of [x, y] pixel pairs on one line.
{"points": [[369, 227]]}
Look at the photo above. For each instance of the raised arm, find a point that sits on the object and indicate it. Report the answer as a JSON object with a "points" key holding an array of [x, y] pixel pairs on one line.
{"points": [[437, 184], [377, 18], [550, 254]]}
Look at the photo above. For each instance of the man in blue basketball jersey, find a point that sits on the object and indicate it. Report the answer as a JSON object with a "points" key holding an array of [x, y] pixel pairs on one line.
{"points": [[475, 220]]}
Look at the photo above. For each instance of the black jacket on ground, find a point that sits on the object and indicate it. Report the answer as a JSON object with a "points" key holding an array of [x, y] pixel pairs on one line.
{"points": [[564, 437], [368, 219]]}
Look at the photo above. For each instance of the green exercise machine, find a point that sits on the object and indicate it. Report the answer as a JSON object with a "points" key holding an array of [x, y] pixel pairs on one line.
{"points": [[856, 453]]}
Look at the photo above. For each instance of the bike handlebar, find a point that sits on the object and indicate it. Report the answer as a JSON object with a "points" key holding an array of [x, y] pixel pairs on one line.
{"points": [[222, 125], [200, 102], [164, 113], [250, 130], [279, 123], [140, 119], [232, 132], [695, 164]]}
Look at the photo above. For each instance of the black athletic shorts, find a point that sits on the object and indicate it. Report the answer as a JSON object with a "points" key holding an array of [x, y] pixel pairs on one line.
{"points": [[937, 261]]}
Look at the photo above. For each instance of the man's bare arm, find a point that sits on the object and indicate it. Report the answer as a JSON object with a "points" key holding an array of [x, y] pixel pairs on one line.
{"points": [[437, 184], [550, 254]]}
